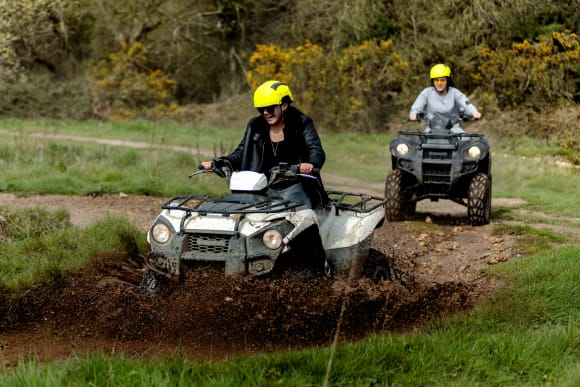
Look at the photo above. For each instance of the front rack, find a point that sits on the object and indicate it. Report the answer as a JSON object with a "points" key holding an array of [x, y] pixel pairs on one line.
{"points": [[231, 204], [439, 134], [250, 204]]}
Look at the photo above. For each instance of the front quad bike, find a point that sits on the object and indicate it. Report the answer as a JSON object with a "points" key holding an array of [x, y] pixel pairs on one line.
{"points": [[439, 164], [253, 230]]}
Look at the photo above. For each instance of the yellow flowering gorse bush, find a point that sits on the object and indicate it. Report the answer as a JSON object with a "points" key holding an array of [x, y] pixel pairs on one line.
{"points": [[126, 89], [531, 73], [345, 90]]}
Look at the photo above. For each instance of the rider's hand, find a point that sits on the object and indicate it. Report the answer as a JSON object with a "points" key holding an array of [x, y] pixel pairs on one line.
{"points": [[412, 117], [305, 168], [206, 165], [476, 115]]}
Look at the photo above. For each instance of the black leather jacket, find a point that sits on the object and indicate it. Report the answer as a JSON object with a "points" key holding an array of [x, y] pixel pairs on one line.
{"points": [[299, 133]]}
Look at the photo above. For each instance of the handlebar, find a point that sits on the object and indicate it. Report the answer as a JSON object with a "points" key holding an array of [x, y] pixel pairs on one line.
{"points": [[224, 169], [221, 167], [287, 171], [441, 121]]}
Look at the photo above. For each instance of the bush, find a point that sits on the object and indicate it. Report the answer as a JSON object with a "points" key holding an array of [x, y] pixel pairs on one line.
{"points": [[345, 91], [41, 96], [532, 74], [126, 89]]}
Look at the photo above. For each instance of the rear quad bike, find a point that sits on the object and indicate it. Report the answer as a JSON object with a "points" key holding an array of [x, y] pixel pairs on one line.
{"points": [[438, 163], [254, 231]]}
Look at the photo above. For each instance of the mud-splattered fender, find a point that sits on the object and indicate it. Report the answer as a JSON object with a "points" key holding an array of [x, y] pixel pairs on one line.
{"points": [[348, 228], [301, 220]]}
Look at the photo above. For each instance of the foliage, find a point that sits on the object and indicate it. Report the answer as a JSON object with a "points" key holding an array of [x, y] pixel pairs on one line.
{"points": [[204, 48], [335, 24], [346, 90], [40, 96], [38, 35], [570, 145], [532, 73], [125, 86]]}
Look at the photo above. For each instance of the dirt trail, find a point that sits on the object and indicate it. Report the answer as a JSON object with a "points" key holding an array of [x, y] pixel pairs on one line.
{"points": [[334, 181]]}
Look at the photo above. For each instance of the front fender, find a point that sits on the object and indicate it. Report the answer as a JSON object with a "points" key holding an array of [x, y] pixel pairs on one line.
{"points": [[349, 229]]}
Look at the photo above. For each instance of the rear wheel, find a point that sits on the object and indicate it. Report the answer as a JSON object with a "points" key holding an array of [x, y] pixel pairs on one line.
{"points": [[479, 200], [396, 207]]}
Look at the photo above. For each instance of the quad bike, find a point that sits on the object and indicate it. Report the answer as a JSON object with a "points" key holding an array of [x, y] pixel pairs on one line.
{"points": [[253, 230], [438, 163]]}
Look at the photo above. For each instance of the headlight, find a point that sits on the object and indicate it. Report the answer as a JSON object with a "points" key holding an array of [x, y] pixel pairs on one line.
{"points": [[161, 233], [272, 239], [402, 149], [474, 152]]}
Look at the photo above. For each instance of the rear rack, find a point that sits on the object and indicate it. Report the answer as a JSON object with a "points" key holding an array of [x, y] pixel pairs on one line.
{"points": [[361, 203]]}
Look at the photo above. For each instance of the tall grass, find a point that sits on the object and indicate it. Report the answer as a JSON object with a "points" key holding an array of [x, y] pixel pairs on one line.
{"points": [[44, 166], [36, 245]]}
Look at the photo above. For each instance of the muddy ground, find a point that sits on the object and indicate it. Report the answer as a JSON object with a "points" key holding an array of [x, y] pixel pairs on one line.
{"points": [[437, 261]]}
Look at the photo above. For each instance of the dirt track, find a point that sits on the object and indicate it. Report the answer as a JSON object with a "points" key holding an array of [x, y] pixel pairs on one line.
{"points": [[437, 261]]}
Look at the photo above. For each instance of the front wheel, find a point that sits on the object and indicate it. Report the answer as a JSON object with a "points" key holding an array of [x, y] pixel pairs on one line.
{"points": [[396, 207], [152, 282], [479, 200]]}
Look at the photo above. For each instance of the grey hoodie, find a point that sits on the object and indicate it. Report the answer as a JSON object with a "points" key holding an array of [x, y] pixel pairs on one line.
{"points": [[446, 106]]}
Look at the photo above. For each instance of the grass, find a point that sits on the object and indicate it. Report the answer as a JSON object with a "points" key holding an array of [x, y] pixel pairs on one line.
{"points": [[36, 245], [526, 333], [531, 240], [41, 165]]}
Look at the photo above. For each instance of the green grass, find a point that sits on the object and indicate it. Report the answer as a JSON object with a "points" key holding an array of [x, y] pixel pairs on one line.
{"points": [[530, 240], [34, 165], [36, 245], [154, 133]]}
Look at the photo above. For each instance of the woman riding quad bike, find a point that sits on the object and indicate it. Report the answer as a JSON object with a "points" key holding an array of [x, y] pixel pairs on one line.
{"points": [[441, 161], [253, 230]]}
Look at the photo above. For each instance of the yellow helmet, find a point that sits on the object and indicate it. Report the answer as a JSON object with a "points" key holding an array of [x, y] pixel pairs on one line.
{"points": [[439, 71], [272, 93]]}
